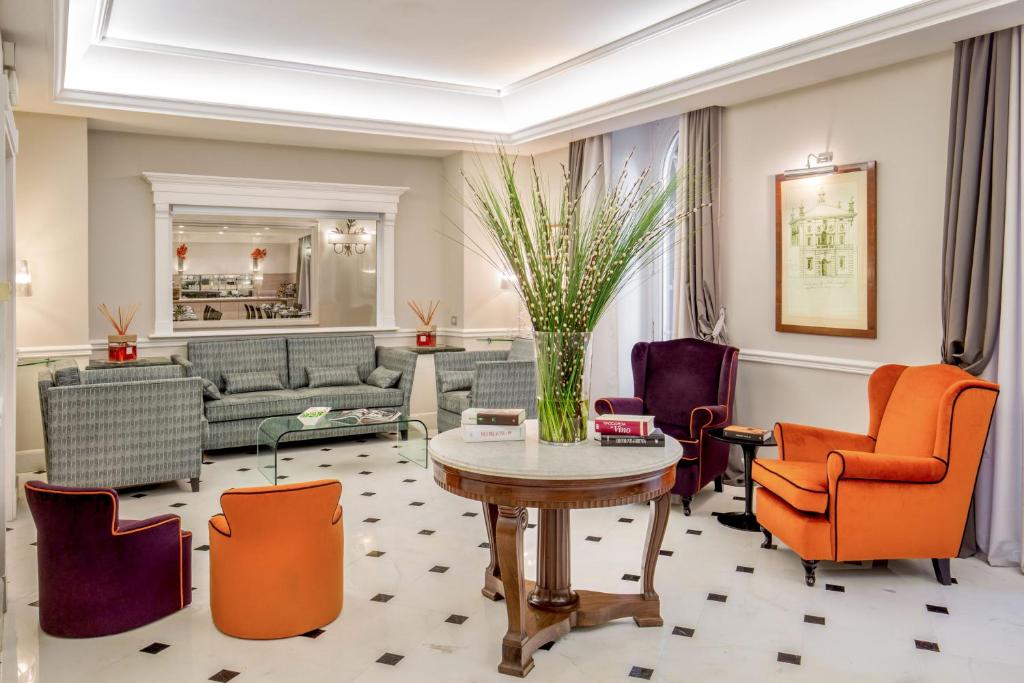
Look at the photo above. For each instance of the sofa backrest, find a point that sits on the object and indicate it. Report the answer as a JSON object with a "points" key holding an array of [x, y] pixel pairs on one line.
{"points": [[674, 377], [329, 350], [132, 374], [910, 421], [211, 359]]}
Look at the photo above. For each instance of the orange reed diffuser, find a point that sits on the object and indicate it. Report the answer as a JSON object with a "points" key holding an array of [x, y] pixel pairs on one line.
{"points": [[426, 331], [122, 346]]}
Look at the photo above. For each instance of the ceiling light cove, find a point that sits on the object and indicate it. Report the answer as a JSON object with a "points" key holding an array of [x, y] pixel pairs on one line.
{"points": [[456, 70]]}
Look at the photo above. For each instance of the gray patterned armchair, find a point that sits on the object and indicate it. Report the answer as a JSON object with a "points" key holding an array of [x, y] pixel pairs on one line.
{"points": [[485, 379], [121, 427]]}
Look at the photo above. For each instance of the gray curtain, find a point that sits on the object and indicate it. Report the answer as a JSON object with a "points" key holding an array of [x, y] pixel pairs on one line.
{"points": [[302, 272], [701, 313], [972, 253]]}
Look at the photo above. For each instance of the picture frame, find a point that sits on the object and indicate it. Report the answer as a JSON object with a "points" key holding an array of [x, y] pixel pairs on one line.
{"points": [[825, 251]]}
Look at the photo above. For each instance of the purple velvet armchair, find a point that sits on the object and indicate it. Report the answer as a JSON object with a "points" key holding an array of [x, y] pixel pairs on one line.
{"points": [[688, 385], [99, 575]]}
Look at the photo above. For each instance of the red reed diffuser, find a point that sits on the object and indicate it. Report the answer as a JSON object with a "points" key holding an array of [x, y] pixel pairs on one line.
{"points": [[426, 331], [122, 346]]}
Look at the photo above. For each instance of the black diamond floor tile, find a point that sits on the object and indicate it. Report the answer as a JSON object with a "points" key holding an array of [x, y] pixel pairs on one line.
{"points": [[744, 570], [417, 503], [594, 539], [368, 493], [439, 569], [641, 673], [630, 577], [381, 597], [366, 472], [835, 588], [223, 676], [203, 548], [134, 495], [375, 553], [811, 619], [427, 532], [325, 465], [666, 553], [315, 633], [456, 619], [717, 597], [787, 658], [926, 645], [371, 520], [178, 505], [683, 631], [485, 544], [390, 658], [938, 609], [626, 520], [154, 648], [470, 514], [694, 532]]}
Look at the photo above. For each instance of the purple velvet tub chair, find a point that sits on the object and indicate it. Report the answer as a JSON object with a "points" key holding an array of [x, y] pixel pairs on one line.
{"points": [[688, 385], [99, 575]]}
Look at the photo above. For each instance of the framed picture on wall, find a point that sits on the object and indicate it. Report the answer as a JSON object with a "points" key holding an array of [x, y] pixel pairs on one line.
{"points": [[825, 251]]}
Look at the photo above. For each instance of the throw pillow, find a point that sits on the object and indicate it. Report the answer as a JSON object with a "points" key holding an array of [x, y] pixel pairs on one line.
{"points": [[332, 376], [522, 349], [384, 378], [210, 391], [457, 380], [241, 382], [66, 376]]}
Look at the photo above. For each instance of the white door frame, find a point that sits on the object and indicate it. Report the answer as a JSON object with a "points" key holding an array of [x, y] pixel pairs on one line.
{"points": [[8, 350]]}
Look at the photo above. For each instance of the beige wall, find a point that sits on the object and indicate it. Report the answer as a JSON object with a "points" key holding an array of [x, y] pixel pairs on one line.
{"points": [[896, 116], [51, 205], [121, 208]]}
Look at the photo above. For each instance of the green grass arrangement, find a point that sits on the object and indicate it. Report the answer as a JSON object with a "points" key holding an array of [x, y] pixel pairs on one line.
{"points": [[568, 260]]}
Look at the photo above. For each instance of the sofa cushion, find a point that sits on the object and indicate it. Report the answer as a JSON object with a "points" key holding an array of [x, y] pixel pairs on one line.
{"points": [[804, 485], [254, 404], [456, 380], [245, 382], [212, 359], [210, 390], [384, 378], [353, 396], [453, 401], [335, 349], [332, 376]]}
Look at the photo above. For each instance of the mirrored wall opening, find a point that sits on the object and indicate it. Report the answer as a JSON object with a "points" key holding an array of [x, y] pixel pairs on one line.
{"points": [[237, 271]]}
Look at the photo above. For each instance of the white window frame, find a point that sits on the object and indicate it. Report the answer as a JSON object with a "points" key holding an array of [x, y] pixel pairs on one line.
{"points": [[178, 190]]}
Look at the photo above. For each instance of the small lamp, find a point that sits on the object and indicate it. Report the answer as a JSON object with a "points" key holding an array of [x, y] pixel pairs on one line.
{"points": [[23, 279]]}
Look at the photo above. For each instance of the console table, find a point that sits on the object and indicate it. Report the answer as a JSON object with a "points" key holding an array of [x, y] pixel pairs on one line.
{"points": [[508, 477]]}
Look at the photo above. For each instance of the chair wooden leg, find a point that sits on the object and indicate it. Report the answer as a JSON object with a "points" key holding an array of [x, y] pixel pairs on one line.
{"points": [[194, 481], [718, 484], [767, 539], [686, 505], [941, 567], [809, 567]]}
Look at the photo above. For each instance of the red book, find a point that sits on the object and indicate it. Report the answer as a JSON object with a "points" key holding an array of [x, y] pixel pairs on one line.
{"points": [[630, 425]]}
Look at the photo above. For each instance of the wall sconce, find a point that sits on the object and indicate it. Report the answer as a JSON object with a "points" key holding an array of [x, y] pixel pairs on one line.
{"points": [[823, 161], [23, 279], [349, 240]]}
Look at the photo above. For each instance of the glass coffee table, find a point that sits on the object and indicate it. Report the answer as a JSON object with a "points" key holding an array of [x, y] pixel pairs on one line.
{"points": [[409, 436]]}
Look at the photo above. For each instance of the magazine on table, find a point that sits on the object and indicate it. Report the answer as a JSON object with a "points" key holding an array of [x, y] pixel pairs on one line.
{"points": [[365, 416]]}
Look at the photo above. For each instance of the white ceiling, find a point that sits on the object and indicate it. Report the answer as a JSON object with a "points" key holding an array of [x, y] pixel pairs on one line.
{"points": [[430, 76], [485, 43]]}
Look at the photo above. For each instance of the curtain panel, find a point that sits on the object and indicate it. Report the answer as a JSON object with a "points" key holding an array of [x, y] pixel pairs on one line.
{"points": [[983, 274], [698, 302]]}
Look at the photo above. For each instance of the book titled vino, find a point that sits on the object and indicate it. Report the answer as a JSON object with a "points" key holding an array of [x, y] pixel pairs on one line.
{"points": [[630, 425], [501, 416], [752, 434], [479, 433], [652, 440]]}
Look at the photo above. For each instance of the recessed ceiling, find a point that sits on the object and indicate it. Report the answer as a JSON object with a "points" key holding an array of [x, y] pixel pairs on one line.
{"points": [[485, 43], [479, 71]]}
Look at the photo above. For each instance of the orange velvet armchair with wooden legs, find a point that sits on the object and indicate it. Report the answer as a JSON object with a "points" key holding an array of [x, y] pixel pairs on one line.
{"points": [[901, 491], [276, 559]]}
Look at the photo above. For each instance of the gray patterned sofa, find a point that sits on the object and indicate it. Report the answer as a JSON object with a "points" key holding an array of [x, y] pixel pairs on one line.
{"points": [[121, 427], [485, 379], [235, 417]]}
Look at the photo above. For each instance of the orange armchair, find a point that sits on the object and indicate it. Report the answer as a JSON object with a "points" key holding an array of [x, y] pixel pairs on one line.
{"points": [[901, 491], [276, 559]]}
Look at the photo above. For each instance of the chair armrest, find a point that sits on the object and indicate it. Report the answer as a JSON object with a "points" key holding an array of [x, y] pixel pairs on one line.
{"points": [[336, 517], [185, 363], [506, 384], [847, 465], [129, 526], [630, 405], [813, 444], [707, 417], [219, 523]]}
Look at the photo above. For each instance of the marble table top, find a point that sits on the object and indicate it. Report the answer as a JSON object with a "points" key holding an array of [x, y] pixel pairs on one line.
{"points": [[531, 459]]}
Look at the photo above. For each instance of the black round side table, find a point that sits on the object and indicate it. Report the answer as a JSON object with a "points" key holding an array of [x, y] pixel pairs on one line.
{"points": [[746, 520]]}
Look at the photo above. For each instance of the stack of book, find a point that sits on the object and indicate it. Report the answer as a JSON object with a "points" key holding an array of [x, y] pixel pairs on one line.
{"points": [[493, 424], [628, 430], [749, 434]]}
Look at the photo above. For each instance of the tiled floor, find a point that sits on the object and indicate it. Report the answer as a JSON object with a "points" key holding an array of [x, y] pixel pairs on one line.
{"points": [[413, 611]]}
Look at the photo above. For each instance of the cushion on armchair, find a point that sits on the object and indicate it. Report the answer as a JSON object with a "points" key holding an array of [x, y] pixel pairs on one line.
{"points": [[456, 380]]}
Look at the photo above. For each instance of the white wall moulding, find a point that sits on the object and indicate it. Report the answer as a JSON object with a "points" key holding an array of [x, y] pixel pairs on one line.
{"points": [[176, 189], [158, 72], [799, 360], [66, 351]]}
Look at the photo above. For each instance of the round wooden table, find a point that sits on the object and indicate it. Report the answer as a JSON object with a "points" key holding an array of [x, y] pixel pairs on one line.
{"points": [[509, 477]]}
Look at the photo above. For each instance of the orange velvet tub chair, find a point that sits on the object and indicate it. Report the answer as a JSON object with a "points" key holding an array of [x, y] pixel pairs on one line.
{"points": [[276, 559], [901, 491]]}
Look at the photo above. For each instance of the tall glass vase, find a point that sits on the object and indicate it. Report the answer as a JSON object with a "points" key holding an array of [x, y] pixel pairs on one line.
{"points": [[563, 382]]}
